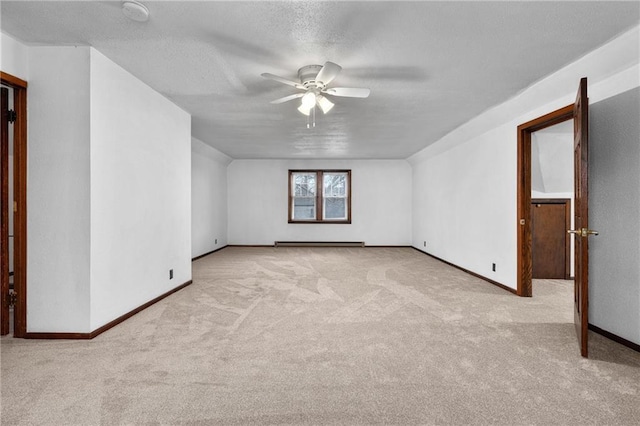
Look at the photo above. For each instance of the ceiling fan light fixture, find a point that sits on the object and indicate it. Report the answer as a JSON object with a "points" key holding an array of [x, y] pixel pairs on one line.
{"points": [[325, 104], [309, 100], [135, 11], [313, 82], [305, 109]]}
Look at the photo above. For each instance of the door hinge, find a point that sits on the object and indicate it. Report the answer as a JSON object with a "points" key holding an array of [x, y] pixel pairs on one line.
{"points": [[11, 116], [13, 299]]}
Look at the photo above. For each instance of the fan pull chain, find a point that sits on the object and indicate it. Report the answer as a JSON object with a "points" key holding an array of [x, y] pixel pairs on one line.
{"points": [[311, 118]]}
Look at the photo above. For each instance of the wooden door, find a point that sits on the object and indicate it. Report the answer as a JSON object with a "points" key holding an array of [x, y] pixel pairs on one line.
{"points": [[550, 244], [581, 231], [4, 214]]}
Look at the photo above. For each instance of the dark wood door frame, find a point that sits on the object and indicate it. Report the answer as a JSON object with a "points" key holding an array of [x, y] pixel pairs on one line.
{"points": [[567, 220], [524, 261], [4, 214], [19, 87]]}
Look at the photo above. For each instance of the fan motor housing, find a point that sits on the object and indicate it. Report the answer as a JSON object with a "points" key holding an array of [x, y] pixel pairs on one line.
{"points": [[308, 74]]}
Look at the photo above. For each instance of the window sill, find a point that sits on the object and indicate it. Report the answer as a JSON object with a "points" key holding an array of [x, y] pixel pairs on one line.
{"points": [[323, 222]]}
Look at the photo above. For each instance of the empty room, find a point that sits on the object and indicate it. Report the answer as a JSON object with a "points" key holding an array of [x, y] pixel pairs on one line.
{"points": [[320, 212]]}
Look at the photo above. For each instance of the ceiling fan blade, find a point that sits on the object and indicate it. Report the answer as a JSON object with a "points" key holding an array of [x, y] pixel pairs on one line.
{"points": [[348, 92], [328, 72], [282, 80], [288, 98]]}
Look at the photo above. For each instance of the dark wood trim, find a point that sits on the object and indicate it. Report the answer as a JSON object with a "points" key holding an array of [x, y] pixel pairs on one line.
{"points": [[387, 246], [550, 200], [20, 197], [567, 225], [319, 197], [614, 337], [320, 222], [551, 119], [207, 254], [98, 331], [4, 214], [489, 280], [523, 218], [12, 81]]}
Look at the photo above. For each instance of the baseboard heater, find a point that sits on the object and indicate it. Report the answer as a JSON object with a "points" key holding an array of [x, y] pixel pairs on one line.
{"points": [[319, 244]]}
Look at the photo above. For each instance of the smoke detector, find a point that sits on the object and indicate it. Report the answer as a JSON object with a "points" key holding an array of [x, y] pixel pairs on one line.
{"points": [[135, 11]]}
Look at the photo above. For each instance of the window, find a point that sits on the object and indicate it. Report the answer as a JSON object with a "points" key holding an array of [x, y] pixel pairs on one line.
{"points": [[319, 196]]}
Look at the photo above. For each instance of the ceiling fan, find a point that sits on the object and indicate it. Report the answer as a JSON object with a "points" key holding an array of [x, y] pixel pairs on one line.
{"points": [[314, 80]]}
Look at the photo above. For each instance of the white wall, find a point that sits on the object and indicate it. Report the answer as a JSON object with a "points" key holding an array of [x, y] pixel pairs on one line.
{"points": [[381, 203], [140, 192], [614, 206], [208, 198], [58, 216], [14, 57], [552, 159], [459, 206], [464, 200], [109, 179]]}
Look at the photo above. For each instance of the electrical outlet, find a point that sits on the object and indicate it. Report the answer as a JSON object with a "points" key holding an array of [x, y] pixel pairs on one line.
{"points": [[170, 274], [493, 267], [425, 243], [216, 241]]}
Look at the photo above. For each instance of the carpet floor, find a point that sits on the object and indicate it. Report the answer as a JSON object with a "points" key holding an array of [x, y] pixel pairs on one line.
{"points": [[329, 336]]}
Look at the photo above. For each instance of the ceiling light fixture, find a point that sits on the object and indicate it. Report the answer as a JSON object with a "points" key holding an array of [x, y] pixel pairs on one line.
{"points": [[308, 104], [325, 104], [305, 109], [314, 80], [135, 11], [309, 100], [308, 107]]}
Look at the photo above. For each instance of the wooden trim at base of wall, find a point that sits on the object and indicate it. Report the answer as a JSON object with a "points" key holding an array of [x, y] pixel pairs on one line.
{"points": [[614, 337], [208, 253], [497, 284], [96, 332]]}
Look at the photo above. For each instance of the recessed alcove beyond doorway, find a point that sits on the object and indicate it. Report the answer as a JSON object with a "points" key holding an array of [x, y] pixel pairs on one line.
{"points": [[552, 195]]}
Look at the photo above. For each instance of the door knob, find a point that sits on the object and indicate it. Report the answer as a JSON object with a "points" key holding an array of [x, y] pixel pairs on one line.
{"points": [[583, 232]]}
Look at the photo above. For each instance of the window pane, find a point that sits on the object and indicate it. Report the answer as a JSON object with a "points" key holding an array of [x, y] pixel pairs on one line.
{"points": [[335, 208], [304, 184], [304, 208], [335, 184]]}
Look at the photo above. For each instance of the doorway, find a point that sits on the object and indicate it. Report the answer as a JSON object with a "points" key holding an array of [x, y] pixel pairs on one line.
{"points": [[525, 188], [579, 111], [13, 229], [552, 194], [550, 243]]}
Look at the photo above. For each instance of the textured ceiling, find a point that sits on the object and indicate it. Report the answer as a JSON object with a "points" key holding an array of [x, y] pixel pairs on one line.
{"points": [[431, 66]]}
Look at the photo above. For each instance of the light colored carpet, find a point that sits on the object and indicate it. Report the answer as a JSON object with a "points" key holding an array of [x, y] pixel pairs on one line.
{"points": [[329, 336]]}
